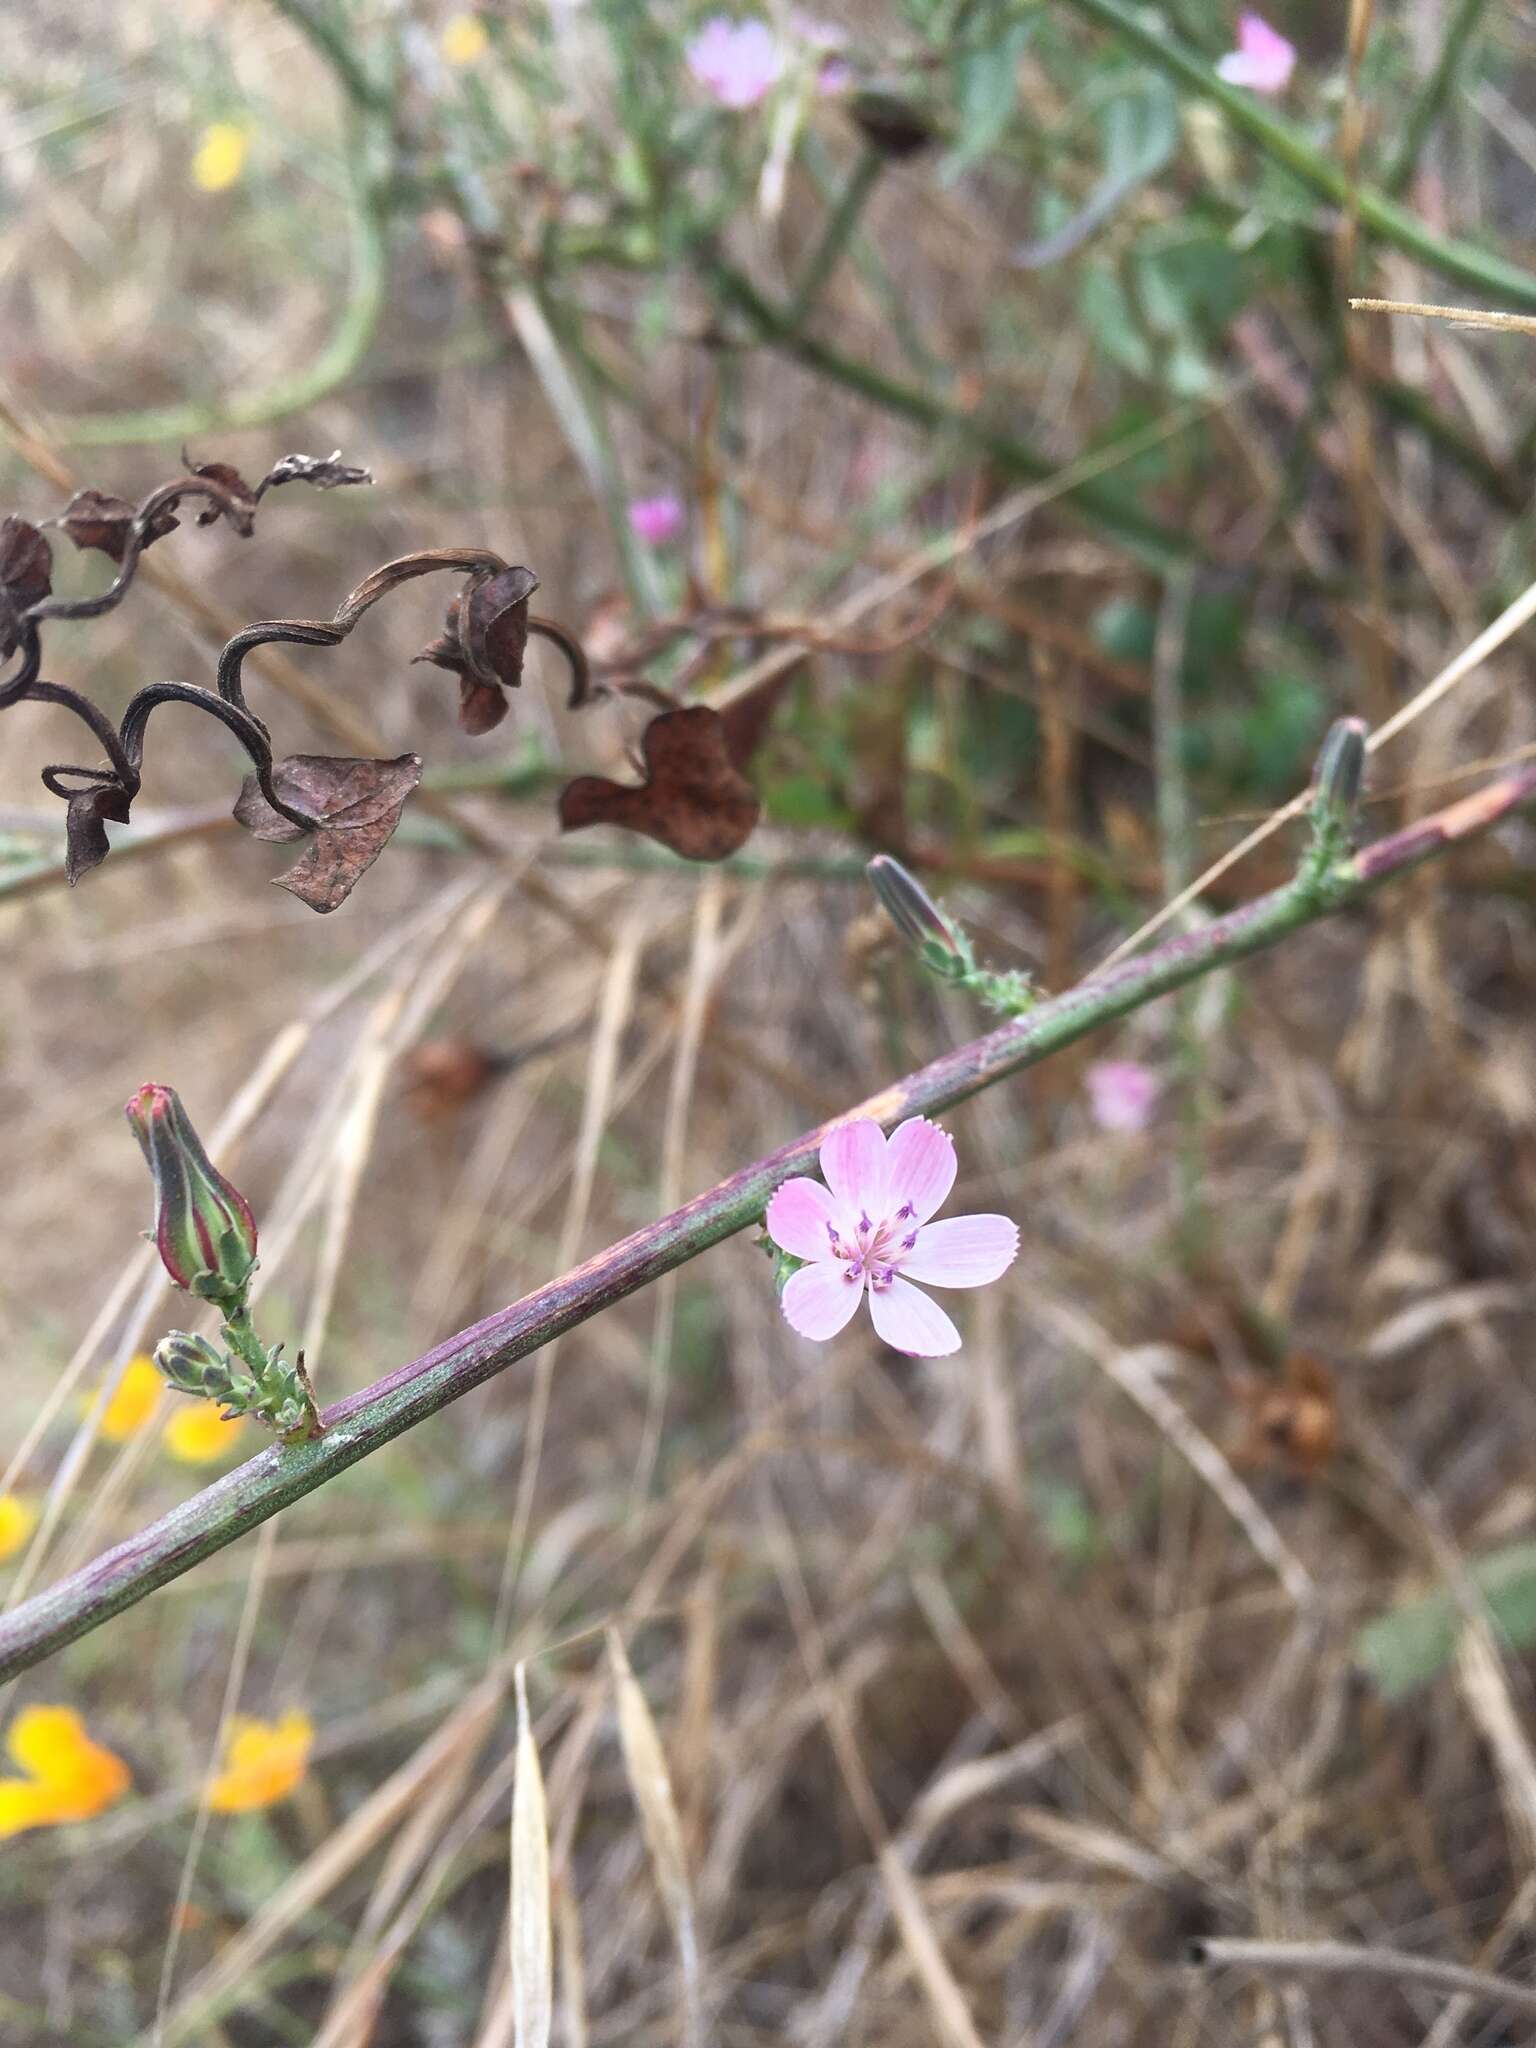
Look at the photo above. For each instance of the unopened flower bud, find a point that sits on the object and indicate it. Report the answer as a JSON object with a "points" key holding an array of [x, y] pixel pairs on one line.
{"points": [[193, 1366], [909, 906], [1340, 772], [204, 1230]]}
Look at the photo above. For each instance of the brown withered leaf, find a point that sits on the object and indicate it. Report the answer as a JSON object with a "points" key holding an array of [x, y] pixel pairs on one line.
{"points": [[694, 799], [95, 519], [356, 804], [240, 510], [484, 637], [26, 565], [494, 625], [85, 830], [325, 472]]}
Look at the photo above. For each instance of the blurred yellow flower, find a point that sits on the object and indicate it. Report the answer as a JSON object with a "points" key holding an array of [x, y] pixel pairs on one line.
{"points": [[18, 1518], [263, 1761], [220, 157], [464, 39], [69, 1777], [197, 1434], [134, 1401]]}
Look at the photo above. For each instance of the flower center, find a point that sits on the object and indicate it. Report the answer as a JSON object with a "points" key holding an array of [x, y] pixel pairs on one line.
{"points": [[876, 1250]]}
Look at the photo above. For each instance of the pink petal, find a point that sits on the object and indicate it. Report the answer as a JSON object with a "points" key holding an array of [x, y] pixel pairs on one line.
{"points": [[920, 1166], [1263, 60], [964, 1251], [799, 1217], [908, 1321], [853, 1161], [820, 1300], [656, 520], [1121, 1094]]}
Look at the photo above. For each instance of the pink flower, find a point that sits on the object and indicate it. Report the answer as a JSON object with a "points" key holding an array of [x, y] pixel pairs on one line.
{"points": [[868, 1228], [737, 61], [1121, 1094], [1263, 59], [656, 520]]}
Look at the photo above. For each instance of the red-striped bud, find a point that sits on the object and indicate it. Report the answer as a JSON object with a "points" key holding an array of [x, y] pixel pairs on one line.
{"points": [[204, 1230]]}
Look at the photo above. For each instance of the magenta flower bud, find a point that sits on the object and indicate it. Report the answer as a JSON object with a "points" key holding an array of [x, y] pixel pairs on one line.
{"points": [[204, 1230]]}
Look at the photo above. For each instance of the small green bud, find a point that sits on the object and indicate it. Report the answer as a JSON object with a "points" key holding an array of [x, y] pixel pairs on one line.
{"points": [[913, 911], [194, 1366], [1340, 773]]}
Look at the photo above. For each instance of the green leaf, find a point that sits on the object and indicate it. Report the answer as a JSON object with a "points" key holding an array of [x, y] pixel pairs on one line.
{"points": [[1410, 1644], [1138, 122], [986, 93]]}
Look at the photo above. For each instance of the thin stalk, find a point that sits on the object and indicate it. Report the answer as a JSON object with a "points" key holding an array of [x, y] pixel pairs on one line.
{"points": [[362, 1423], [841, 222], [1433, 94], [1380, 215]]}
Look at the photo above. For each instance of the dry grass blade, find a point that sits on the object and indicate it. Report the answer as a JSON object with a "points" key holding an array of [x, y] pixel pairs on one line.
{"points": [[645, 1764], [530, 1929]]}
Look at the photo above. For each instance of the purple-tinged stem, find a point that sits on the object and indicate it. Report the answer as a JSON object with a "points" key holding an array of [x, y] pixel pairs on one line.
{"points": [[363, 1422]]}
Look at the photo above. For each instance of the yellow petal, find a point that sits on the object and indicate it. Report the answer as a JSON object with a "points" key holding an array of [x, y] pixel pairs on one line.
{"points": [[18, 1518], [24, 1804], [198, 1434], [73, 1778], [464, 39], [220, 157], [134, 1401], [263, 1762]]}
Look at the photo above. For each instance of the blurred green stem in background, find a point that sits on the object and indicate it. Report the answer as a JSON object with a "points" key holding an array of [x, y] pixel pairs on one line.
{"points": [[1433, 95]]}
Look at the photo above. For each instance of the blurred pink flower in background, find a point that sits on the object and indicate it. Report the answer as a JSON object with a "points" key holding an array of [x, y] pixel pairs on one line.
{"points": [[824, 40], [656, 520], [736, 61], [1121, 1094], [1263, 59], [867, 1232]]}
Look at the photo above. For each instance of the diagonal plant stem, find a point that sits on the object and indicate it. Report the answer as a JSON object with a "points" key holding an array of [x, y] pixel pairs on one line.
{"points": [[364, 1422]]}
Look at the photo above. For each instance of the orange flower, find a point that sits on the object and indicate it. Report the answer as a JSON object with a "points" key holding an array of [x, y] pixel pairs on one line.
{"points": [[197, 1434], [263, 1761], [134, 1401], [18, 1518], [69, 1777]]}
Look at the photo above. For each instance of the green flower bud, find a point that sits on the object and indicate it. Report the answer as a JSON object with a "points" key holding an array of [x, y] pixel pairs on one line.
{"points": [[194, 1366], [912, 910], [204, 1230]]}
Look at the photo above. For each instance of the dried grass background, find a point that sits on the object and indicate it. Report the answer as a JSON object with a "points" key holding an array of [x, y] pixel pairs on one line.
{"points": [[973, 1688]]}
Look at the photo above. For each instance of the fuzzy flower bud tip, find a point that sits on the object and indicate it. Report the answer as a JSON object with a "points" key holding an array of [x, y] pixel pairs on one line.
{"points": [[908, 905], [204, 1230]]}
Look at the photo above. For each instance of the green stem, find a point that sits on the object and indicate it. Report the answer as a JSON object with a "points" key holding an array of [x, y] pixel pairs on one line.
{"points": [[363, 1423], [334, 44], [1433, 94], [1380, 215], [841, 223]]}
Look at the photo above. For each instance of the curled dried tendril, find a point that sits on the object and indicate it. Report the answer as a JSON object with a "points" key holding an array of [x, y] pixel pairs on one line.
{"points": [[347, 807]]}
